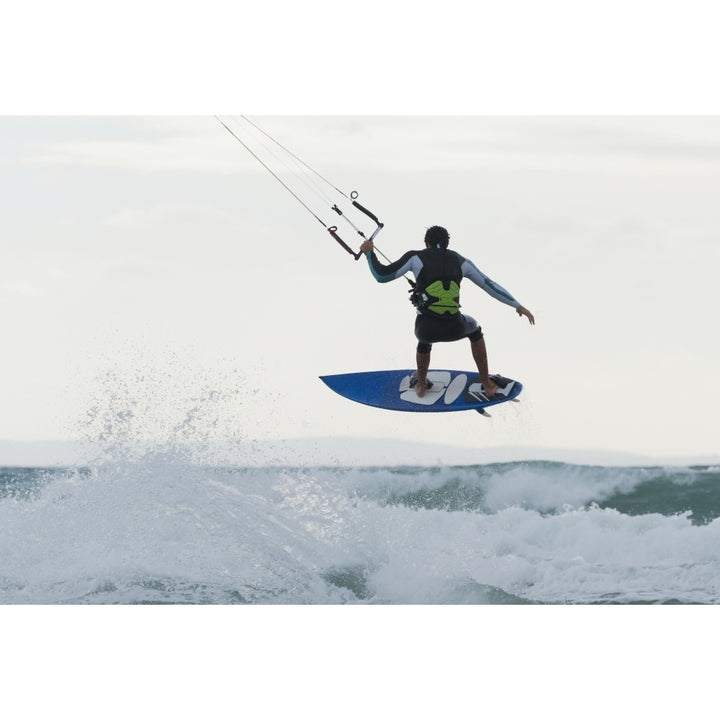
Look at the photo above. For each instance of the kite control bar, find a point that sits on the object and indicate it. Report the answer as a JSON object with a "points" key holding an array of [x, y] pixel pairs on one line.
{"points": [[333, 230], [353, 195]]}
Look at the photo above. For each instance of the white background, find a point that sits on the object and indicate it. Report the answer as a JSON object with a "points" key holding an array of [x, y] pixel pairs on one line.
{"points": [[130, 254]]}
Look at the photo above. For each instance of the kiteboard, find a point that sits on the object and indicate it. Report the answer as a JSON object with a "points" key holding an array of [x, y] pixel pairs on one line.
{"points": [[451, 390]]}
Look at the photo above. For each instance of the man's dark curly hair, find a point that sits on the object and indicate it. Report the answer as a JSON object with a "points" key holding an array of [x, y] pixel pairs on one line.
{"points": [[437, 235]]}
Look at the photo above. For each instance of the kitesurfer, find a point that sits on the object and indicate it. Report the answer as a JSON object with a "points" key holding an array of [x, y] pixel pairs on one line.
{"points": [[436, 295]]}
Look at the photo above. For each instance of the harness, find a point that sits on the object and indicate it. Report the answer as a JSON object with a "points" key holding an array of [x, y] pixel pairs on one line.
{"points": [[437, 291]]}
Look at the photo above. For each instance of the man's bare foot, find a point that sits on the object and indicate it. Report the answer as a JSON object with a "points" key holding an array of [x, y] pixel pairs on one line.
{"points": [[421, 386], [490, 388]]}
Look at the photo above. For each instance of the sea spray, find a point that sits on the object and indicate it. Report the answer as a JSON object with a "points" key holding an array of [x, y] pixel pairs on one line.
{"points": [[172, 506], [164, 406], [164, 531]]}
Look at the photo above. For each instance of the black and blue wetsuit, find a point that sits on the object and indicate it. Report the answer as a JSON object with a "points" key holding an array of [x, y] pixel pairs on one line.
{"points": [[438, 273]]}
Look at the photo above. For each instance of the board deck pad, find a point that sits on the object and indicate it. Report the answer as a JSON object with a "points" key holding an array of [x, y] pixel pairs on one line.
{"points": [[451, 390]]}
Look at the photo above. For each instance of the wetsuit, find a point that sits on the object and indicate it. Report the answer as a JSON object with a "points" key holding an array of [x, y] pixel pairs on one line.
{"points": [[438, 273]]}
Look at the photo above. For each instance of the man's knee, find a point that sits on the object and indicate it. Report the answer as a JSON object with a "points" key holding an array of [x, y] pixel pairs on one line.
{"points": [[423, 348], [475, 335]]}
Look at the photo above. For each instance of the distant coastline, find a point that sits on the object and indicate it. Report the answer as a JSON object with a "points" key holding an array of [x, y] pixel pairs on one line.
{"points": [[345, 451]]}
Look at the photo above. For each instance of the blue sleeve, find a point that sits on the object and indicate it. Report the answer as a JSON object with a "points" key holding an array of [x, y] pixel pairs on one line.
{"points": [[469, 270], [387, 273]]}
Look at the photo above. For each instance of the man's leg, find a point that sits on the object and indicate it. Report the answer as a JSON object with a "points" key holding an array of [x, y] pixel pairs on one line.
{"points": [[422, 358], [479, 353]]}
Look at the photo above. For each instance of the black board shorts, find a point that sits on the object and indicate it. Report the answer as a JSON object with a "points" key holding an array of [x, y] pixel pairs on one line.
{"points": [[430, 330]]}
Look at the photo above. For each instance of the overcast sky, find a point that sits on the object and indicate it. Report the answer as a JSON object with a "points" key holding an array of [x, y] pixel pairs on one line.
{"points": [[154, 258], [155, 279]]}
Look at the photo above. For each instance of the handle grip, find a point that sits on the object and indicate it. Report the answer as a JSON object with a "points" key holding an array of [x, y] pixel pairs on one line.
{"points": [[333, 231]]}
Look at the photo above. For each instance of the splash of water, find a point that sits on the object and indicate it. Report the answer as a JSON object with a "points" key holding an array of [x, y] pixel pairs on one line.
{"points": [[162, 407]]}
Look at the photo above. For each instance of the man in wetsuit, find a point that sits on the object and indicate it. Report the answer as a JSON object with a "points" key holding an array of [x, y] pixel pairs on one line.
{"points": [[438, 273]]}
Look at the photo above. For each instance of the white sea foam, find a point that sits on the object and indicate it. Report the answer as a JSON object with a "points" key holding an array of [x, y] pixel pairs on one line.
{"points": [[152, 531]]}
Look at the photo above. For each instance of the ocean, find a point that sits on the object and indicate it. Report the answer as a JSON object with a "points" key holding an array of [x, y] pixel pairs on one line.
{"points": [[160, 530]]}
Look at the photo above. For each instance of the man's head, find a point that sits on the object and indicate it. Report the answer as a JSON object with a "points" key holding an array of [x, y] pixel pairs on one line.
{"points": [[437, 236]]}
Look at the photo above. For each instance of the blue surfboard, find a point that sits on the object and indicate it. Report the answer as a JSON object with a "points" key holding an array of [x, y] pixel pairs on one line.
{"points": [[451, 390]]}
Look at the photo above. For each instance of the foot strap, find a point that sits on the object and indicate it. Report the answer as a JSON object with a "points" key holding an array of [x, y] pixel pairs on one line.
{"points": [[414, 381]]}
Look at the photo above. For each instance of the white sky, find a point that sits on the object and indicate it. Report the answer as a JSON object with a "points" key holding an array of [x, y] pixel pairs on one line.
{"points": [[159, 246], [146, 254]]}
